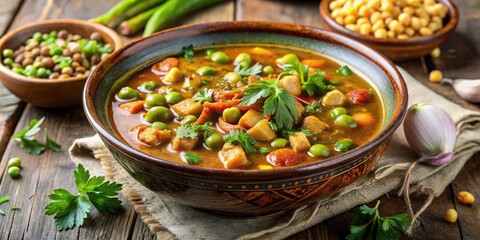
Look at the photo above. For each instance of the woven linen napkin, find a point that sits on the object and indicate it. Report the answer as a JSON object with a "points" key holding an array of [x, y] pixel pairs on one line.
{"points": [[169, 220]]}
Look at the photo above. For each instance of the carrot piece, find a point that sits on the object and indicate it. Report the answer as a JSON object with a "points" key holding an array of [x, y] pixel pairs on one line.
{"points": [[206, 115], [218, 107], [314, 63], [132, 107], [252, 79], [364, 118], [228, 95], [161, 68], [256, 106], [227, 127]]}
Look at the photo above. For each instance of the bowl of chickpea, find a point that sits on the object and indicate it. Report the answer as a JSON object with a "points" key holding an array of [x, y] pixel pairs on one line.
{"points": [[402, 30]]}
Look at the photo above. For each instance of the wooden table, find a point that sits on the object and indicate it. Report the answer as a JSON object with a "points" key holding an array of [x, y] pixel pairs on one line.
{"points": [[41, 174]]}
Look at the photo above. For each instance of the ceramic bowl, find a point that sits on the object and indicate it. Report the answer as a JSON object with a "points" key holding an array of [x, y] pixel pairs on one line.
{"points": [[244, 193], [46, 92], [397, 49]]}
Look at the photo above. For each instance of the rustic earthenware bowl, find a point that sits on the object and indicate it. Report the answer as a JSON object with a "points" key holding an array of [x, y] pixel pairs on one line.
{"points": [[244, 193], [46, 92], [397, 49]]}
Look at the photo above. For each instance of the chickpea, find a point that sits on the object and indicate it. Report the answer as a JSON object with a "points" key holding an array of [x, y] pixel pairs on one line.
{"points": [[410, 31], [380, 33], [335, 13], [375, 16], [362, 20], [54, 75], [386, 6], [27, 61], [390, 34], [415, 23], [365, 29], [433, 26], [374, 4], [425, 31], [377, 25], [67, 71], [364, 11], [429, 2], [350, 19], [402, 36], [351, 27], [408, 10], [435, 76], [404, 18], [435, 53], [414, 3], [465, 197], [450, 215], [340, 20], [386, 15]]}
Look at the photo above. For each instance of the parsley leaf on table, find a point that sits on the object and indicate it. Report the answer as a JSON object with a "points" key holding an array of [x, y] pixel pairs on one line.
{"points": [[279, 102], [26, 138], [4, 200], [367, 224], [240, 137], [191, 158], [188, 52], [204, 95], [246, 71], [70, 210]]}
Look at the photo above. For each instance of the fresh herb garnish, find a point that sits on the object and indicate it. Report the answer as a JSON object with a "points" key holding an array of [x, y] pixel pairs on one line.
{"points": [[279, 102], [193, 130], [273, 126], [286, 133], [191, 158], [344, 71], [367, 224], [15, 208], [188, 52], [26, 138], [204, 95], [312, 84], [240, 137], [314, 107], [4, 200], [71, 210], [246, 71]]}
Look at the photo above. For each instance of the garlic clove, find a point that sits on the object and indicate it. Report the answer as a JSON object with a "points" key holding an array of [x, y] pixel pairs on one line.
{"points": [[468, 89], [431, 132]]}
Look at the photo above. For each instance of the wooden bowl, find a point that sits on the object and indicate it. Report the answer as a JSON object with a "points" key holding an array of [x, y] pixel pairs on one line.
{"points": [[243, 193], [46, 92], [398, 49]]}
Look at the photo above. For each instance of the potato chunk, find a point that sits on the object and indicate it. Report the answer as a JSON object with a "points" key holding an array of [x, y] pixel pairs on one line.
{"points": [[153, 136], [300, 109], [262, 131], [334, 98], [173, 76], [314, 125], [181, 144], [233, 156], [250, 119], [299, 142], [188, 107], [291, 84]]}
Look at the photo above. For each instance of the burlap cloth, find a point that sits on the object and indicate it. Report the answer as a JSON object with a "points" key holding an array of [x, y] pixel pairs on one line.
{"points": [[169, 220]]}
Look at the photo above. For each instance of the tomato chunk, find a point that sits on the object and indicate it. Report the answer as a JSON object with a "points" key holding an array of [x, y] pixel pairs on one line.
{"points": [[284, 157], [359, 96], [161, 68]]}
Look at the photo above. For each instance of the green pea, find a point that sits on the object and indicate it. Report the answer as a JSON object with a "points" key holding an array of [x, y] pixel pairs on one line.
{"points": [[53, 34], [344, 71], [243, 64], [155, 99], [14, 172], [219, 57], [268, 70], [214, 141], [127, 93], [189, 119], [158, 114], [209, 51], [16, 161], [31, 71], [37, 36], [160, 125], [45, 36], [279, 142], [344, 145], [206, 70], [264, 150], [287, 59], [8, 62], [231, 115], [19, 70], [243, 57], [150, 85], [42, 73], [232, 78], [64, 64], [8, 53], [346, 121], [338, 111], [173, 97], [55, 51], [319, 150]]}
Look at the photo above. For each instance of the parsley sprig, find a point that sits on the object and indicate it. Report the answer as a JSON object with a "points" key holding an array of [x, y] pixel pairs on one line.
{"points": [[312, 84], [192, 158], [279, 102], [240, 137], [246, 71], [26, 138], [188, 52], [193, 130], [367, 224], [204, 95], [314, 107], [4, 200], [70, 210]]}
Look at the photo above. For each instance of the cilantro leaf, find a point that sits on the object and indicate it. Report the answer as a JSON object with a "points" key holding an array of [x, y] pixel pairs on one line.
{"points": [[204, 95], [193, 130], [70, 210], [191, 158], [287, 133], [188, 52], [31, 146], [344, 71], [367, 223], [50, 144], [317, 84], [240, 137], [246, 71], [26, 138], [314, 107]]}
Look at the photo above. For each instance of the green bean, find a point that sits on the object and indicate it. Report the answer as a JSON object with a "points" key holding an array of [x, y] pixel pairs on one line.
{"points": [[137, 23], [124, 10], [171, 11]]}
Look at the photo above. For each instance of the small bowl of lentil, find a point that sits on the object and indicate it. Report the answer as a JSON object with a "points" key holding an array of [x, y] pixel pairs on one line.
{"points": [[47, 63], [402, 30]]}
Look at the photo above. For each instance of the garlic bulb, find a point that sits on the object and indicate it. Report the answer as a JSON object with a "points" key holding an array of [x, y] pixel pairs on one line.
{"points": [[431, 132], [468, 89]]}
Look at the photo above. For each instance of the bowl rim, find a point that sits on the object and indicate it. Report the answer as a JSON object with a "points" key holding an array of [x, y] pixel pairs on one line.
{"points": [[52, 22], [396, 80], [444, 31]]}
